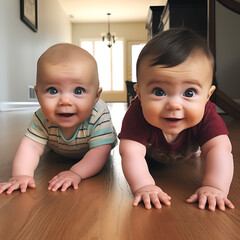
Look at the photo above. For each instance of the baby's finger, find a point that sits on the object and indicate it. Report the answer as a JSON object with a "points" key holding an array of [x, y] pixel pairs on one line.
{"points": [[75, 184], [12, 188], [32, 184], [202, 201], [23, 187], [155, 200], [193, 198], [54, 179], [146, 201], [51, 183], [56, 185], [137, 200], [221, 204], [4, 187], [66, 185], [228, 203], [212, 203], [164, 198]]}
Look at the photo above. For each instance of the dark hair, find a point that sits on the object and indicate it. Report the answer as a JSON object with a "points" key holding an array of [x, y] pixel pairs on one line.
{"points": [[172, 47]]}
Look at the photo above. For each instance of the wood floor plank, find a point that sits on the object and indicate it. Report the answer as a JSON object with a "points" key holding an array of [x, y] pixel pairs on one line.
{"points": [[102, 206]]}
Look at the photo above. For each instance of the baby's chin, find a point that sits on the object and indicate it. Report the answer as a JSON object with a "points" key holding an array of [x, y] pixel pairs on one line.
{"points": [[175, 130], [172, 132]]}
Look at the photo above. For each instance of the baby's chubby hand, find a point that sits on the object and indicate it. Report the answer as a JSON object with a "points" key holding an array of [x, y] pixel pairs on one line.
{"points": [[18, 182], [64, 180], [214, 197], [151, 194]]}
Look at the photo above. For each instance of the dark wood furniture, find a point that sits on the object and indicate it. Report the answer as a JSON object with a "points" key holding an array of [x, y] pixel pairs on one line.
{"points": [[219, 97], [233, 5], [130, 91], [153, 20], [185, 13]]}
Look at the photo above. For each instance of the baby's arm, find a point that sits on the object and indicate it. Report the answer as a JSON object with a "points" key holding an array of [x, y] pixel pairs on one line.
{"points": [[90, 165], [218, 175], [24, 164], [138, 176]]}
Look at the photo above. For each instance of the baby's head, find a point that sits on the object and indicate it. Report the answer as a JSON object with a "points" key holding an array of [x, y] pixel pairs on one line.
{"points": [[67, 84], [172, 47], [174, 79], [66, 57]]}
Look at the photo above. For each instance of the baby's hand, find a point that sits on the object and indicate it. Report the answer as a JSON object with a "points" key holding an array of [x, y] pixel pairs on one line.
{"points": [[64, 180], [212, 196], [151, 193], [17, 182]]}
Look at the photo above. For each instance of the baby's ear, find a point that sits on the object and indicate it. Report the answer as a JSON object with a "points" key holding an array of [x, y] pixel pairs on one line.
{"points": [[99, 91], [35, 88], [136, 88], [211, 90]]}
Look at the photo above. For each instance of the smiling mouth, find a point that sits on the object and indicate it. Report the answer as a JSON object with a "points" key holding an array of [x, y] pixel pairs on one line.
{"points": [[173, 119], [66, 114]]}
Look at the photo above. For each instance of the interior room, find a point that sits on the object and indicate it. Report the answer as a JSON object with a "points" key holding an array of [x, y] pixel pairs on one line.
{"points": [[114, 33]]}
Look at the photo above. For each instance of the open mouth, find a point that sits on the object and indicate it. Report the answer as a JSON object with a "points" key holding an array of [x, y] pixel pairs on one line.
{"points": [[66, 114], [173, 119]]}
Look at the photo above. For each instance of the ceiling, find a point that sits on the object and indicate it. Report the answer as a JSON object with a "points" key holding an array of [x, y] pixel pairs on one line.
{"points": [[96, 10]]}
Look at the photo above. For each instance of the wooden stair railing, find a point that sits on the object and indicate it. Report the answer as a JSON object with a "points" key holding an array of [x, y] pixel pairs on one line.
{"points": [[227, 104], [220, 98]]}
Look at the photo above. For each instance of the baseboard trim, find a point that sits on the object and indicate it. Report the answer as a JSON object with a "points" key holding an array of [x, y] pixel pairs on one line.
{"points": [[16, 106]]}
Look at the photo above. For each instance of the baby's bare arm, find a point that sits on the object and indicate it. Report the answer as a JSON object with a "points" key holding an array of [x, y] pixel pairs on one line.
{"points": [[90, 165], [218, 174], [27, 157], [24, 164], [138, 176]]}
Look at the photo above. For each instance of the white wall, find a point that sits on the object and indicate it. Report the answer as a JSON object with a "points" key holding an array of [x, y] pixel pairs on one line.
{"points": [[228, 51], [21, 47], [126, 31]]}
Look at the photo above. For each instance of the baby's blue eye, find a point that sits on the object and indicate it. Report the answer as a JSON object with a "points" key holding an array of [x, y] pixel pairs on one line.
{"points": [[52, 90], [159, 92], [78, 91], [189, 93]]}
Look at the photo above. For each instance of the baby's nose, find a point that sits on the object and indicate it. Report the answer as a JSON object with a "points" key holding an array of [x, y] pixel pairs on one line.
{"points": [[65, 99], [174, 104]]}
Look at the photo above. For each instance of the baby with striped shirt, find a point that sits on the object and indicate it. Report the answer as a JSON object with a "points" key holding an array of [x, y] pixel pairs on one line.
{"points": [[73, 121]]}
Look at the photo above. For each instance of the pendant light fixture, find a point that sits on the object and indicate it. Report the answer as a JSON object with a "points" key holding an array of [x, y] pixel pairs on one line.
{"points": [[110, 38]]}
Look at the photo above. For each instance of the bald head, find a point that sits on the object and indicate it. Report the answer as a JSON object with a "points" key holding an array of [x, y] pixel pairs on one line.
{"points": [[65, 54]]}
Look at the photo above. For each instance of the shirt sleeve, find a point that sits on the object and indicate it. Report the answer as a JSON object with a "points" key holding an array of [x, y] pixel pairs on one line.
{"points": [[101, 128], [211, 125], [36, 130], [134, 125]]}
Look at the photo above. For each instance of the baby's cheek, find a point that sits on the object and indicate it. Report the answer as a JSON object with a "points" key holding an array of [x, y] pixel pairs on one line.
{"points": [[195, 116]]}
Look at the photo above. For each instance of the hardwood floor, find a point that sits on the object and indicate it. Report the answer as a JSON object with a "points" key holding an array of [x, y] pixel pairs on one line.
{"points": [[102, 206]]}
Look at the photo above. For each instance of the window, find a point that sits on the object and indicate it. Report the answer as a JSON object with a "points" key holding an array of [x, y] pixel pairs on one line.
{"points": [[136, 49], [110, 63]]}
